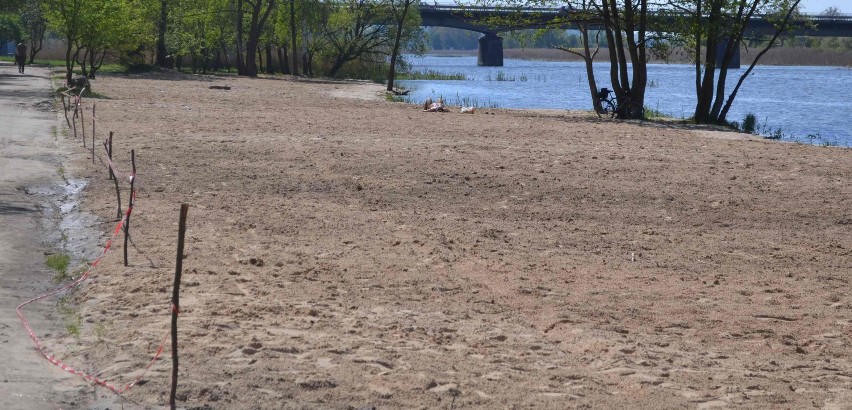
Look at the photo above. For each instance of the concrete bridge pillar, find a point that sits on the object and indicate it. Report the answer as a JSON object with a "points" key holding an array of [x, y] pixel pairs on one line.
{"points": [[720, 54], [490, 50]]}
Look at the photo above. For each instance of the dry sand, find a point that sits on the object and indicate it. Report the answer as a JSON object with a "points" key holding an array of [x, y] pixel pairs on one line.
{"points": [[346, 252]]}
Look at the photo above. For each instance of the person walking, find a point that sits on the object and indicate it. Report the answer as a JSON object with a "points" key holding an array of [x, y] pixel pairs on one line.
{"points": [[21, 56]]}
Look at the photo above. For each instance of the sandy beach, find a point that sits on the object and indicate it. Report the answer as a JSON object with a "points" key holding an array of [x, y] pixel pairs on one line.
{"points": [[345, 252]]}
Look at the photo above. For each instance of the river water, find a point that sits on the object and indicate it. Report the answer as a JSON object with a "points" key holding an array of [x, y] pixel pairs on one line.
{"points": [[808, 104]]}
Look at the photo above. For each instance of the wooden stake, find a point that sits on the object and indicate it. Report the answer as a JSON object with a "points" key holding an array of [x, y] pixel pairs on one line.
{"points": [[65, 110], [93, 133], [114, 179], [129, 204], [74, 122], [184, 208], [82, 125], [109, 155]]}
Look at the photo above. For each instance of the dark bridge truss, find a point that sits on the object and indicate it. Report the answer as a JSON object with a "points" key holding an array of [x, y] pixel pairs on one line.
{"points": [[473, 18]]}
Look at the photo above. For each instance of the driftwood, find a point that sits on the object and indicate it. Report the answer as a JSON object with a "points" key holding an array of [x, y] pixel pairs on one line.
{"points": [[220, 87]]}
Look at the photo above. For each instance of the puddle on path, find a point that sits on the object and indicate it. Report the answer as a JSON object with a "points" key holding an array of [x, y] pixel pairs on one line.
{"points": [[65, 226]]}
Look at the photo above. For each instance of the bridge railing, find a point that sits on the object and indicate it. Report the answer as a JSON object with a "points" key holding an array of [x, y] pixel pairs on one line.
{"points": [[556, 10]]}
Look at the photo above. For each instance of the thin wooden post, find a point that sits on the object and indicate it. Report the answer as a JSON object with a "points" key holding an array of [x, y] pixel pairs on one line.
{"points": [[184, 208], [93, 133], [109, 155], [74, 121], [114, 179], [82, 124], [129, 203], [65, 110]]}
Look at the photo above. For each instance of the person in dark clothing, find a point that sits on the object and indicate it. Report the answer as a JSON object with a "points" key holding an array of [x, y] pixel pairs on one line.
{"points": [[21, 56]]}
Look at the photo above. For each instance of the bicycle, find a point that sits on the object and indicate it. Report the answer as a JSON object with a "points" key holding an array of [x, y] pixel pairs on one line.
{"points": [[609, 105]]}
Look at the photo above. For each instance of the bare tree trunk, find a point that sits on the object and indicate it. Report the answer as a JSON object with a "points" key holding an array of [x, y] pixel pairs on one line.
{"points": [[724, 113], [705, 91], [270, 69], [282, 59], [35, 47], [69, 62], [295, 46], [239, 16], [161, 33]]}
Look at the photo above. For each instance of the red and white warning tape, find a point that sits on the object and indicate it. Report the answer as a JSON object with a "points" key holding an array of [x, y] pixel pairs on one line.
{"points": [[52, 358]]}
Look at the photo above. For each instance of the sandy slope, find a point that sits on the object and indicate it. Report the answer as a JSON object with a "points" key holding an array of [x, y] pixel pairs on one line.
{"points": [[346, 252]]}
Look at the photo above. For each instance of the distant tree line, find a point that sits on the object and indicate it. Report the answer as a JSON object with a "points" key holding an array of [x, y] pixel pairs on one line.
{"points": [[313, 37]]}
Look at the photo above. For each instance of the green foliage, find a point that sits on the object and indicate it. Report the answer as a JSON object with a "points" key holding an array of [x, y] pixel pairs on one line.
{"points": [[92, 28], [73, 320], [749, 123], [10, 27], [654, 113], [59, 263]]}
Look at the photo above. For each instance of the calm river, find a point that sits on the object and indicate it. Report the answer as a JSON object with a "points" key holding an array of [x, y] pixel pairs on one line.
{"points": [[809, 104]]}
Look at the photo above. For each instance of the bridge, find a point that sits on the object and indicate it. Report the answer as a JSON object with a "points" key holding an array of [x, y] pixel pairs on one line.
{"points": [[491, 44]]}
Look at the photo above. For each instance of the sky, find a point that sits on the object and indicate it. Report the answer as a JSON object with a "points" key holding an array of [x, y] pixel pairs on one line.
{"points": [[817, 6]]}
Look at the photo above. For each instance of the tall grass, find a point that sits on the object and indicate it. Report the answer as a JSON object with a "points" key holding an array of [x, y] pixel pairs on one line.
{"points": [[431, 75], [749, 123]]}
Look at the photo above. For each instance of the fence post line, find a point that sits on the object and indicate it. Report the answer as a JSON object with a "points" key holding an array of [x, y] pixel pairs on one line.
{"points": [[129, 203], [184, 208]]}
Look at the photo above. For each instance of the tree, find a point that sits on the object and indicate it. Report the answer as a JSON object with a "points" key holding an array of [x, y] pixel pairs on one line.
{"points": [[162, 27], [200, 30], [66, 18], [91, 28], [294, 44], [708, 25], [625, 26], [626, 23], [401, 10], [256, 12], [10, 28], [35, 26], [357, 29], [832, 11], [582, 14]]}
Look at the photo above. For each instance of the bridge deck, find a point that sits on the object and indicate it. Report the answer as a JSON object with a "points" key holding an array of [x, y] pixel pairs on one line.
{"points": [[473, 18]]}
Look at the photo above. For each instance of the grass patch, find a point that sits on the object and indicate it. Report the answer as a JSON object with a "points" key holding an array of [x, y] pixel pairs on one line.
{"points": [[398, 98], [654, 114], [59, 262], [73, 320], [88, 93]]}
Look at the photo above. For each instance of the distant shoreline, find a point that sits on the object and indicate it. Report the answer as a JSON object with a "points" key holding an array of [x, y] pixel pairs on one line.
{"points": [[789, 56]]}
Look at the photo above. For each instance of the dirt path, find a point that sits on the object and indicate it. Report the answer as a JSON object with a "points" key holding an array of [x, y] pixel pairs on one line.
{"points": [[30, 160]]}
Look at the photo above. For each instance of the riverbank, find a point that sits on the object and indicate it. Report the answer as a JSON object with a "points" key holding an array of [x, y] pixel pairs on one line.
{"points": [[344, 251], [789, 56]]}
